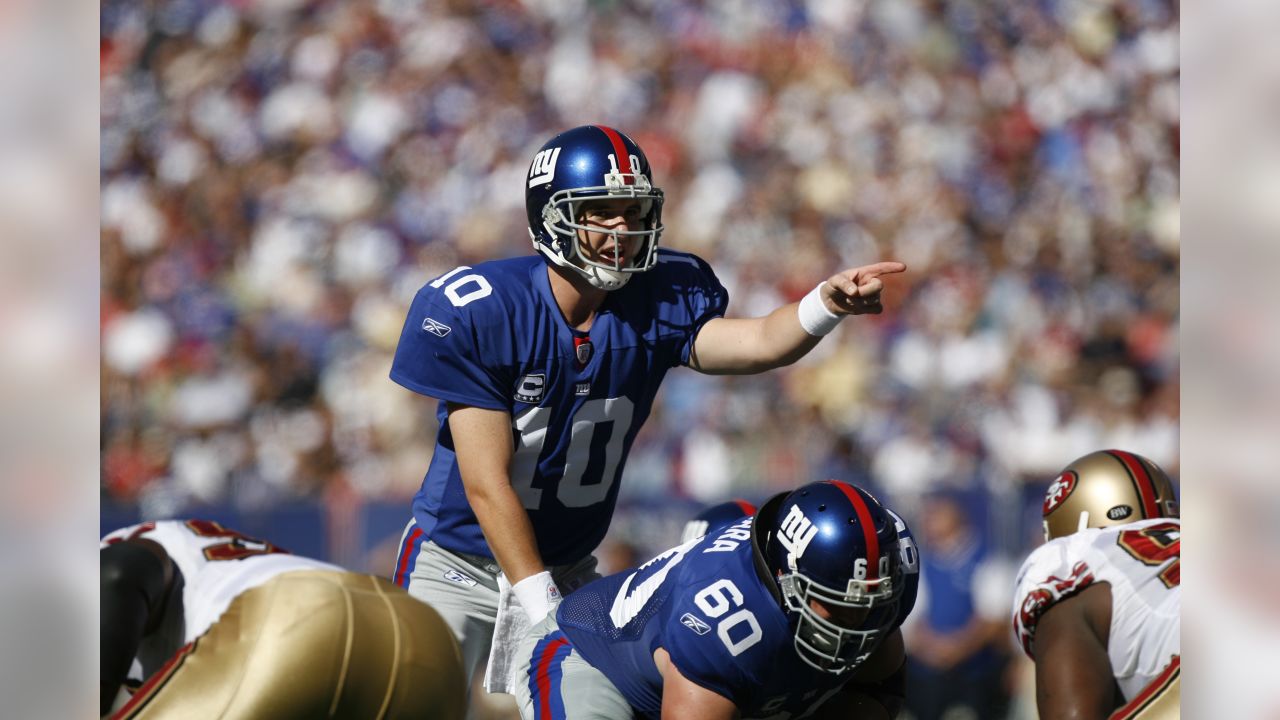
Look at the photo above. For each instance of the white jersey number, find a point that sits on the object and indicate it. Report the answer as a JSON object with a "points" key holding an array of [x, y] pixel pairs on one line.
{"points": [[718, 598], [531, 427], [1156, 545], [480, 288]]}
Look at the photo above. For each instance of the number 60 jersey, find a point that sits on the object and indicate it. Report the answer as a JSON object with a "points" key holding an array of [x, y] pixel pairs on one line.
{"points": [[1140, 561], [711, 605]]}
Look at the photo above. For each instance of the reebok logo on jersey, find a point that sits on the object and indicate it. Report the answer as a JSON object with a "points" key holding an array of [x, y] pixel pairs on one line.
{"points": [[531, 387], [796, 533], [459, 577], [693, 623], [435, 327]]}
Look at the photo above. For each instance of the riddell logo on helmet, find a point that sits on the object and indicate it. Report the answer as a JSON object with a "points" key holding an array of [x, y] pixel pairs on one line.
{"points": [[1119, 512], [1059, 491]]}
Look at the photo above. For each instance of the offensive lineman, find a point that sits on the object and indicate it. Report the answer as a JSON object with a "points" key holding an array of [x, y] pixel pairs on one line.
{"points": [[1097, 606], [226, 626], [789, 613]]}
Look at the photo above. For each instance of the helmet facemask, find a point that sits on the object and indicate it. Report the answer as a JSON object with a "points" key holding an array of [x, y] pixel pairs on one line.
{"points": [[560, 218], [828, 645]]}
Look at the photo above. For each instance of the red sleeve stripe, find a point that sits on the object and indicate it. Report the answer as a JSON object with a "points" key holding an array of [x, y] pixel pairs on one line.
{"points": [[1141, 481], [619, 150], [1152, 692], [868, 526]]}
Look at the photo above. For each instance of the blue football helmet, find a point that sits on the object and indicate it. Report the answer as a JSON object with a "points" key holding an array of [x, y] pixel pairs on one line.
{"points": [[591, 162], [716, 518], [834, 543]]}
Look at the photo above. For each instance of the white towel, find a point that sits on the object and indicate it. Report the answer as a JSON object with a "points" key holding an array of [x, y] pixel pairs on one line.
{"points": [[510, 627]]}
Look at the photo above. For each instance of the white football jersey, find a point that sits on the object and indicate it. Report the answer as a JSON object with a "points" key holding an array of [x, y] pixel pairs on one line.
{"points": [[217, 565], [1141, 563]]}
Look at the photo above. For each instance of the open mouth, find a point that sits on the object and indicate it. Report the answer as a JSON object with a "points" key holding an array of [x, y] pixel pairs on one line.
{"points": [[613, 256]]}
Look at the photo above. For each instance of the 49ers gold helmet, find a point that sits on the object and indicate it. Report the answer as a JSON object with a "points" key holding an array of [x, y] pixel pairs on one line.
{"points": [[1104, 488]]}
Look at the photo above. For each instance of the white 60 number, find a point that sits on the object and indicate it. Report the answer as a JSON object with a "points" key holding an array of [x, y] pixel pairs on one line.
{"points": [[715, 600]]}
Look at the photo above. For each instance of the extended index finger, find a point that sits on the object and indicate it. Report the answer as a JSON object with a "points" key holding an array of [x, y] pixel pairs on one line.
{"points": [[881, 268]]}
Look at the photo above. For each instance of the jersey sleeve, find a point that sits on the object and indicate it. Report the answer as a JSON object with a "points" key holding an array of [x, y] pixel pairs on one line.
{"points": [[439, 354], [695, 646], [1048, 576], [703, 660], [701, 296]]}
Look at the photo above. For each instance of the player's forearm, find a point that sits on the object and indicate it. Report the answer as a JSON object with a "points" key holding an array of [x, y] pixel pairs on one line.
{"points": [[482, 441], [506, 527], [748, 346], [683, 699], [783, 339]]}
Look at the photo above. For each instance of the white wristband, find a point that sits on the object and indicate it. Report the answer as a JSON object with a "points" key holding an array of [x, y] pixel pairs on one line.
{"points": [[814, 316], [538, 595]]}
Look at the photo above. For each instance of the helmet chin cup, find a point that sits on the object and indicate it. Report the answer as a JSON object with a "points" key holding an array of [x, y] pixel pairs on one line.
{"points": [[596, 276], [602, 278]]}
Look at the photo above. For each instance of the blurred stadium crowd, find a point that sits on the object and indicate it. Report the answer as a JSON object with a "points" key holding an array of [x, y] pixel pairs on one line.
{"points": [[280, 176]]}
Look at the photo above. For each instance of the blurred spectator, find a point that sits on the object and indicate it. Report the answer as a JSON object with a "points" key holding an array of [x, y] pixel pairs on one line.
{"points": [[278, 178], [957, 647]]}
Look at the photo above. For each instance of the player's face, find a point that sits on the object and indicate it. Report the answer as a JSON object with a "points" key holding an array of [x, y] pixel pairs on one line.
{"points": [[850, 618], [610, 215]]}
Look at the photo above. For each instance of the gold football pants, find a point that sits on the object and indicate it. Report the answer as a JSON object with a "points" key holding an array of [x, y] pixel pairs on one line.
{"points": [[313, 644], [1161, 699]]}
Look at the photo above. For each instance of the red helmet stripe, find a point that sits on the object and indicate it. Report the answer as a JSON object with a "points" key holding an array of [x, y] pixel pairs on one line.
{"points": [[868, 526], [619, 149], [746, 507], [1141, 480]]}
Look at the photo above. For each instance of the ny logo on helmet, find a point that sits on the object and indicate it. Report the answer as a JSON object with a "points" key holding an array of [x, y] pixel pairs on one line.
{"points": [[543, 169], [796, 534]]}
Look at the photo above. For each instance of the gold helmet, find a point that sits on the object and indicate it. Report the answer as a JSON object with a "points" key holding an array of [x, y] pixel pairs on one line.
{"points": [[1104, 488]]}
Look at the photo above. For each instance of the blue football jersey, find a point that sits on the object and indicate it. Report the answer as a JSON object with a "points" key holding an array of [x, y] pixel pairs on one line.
{"points": [[709, 606], [492, 336]]}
